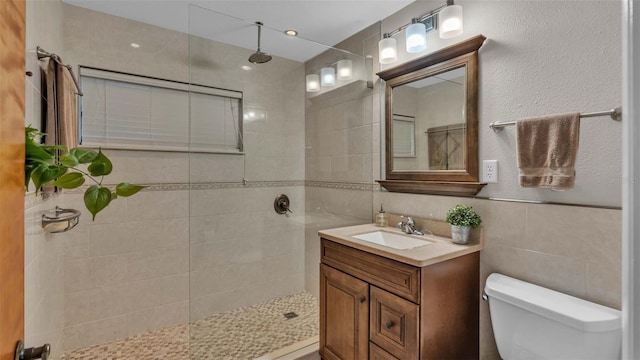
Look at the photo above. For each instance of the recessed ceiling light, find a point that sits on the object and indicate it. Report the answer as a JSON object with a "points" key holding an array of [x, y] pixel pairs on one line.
{"points": [[291, 32], [246, 67], [135, 45]]}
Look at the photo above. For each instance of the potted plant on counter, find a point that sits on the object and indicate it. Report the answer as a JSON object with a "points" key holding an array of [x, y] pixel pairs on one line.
{"points": [[462, 219]]}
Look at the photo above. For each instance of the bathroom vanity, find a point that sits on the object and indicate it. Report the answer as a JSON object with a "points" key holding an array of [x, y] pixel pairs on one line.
{"points": [[378, 302]]}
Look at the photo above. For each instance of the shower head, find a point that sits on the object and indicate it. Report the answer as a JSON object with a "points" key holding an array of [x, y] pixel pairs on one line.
{"points": [[259, 57]]}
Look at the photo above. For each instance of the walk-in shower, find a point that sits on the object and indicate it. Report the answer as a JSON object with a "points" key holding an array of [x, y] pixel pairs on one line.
{"points": [[199, 265]]}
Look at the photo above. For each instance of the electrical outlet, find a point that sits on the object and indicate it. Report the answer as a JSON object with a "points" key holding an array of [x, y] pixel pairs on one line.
{"points": [[490, 171]]}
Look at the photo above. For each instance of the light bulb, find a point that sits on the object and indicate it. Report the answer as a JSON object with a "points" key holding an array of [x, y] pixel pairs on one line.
{"points": [[313, 83], [450, 22], [387, 50], [416, 36], [327, 76], [345, 69]]}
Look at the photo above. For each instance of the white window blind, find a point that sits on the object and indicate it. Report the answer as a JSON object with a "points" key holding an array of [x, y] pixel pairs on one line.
{"points": [[404, 136], [134, 112]]}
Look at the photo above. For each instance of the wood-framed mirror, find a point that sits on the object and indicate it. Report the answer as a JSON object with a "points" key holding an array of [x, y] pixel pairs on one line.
{"points": [[431, 122]]}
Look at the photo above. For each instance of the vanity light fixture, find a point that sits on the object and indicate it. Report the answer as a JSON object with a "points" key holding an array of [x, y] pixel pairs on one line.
{"points": [[449, 20], [387, 49], [327, 76], [416, 36], [313, 83], [345, 69]]}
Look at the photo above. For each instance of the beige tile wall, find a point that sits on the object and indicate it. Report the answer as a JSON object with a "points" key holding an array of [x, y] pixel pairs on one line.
{"points": [[44, 316], [571, 249], [132, 269], [43, 270], [127, 271], [242, 252]]}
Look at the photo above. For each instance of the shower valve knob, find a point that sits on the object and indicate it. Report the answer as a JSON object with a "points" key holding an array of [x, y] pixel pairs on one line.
{"points": [[281, 204]]}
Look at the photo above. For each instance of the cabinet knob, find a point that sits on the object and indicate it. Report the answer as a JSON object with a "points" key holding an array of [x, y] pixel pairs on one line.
{"points": [[389, 324], [362, 299]]}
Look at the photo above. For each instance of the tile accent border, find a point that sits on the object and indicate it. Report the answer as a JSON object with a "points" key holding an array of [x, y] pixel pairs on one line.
{"points": [[31, 200], [205, 186], [341, 185]]}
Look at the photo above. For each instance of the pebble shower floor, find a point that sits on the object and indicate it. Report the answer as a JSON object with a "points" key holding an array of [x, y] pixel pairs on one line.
{"points": [[240, 334]]}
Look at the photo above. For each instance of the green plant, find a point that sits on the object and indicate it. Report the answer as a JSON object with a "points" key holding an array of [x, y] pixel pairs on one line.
{"points": [[68, 171], [462, 215]]}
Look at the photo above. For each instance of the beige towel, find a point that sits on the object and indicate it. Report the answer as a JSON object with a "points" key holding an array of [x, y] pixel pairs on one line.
{"points": [[61, 124], [547, 148]]}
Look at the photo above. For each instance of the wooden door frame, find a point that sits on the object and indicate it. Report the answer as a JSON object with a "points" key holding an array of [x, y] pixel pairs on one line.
{"points": [[12, 119]]}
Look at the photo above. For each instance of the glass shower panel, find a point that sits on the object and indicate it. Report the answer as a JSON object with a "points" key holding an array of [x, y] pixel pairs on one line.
{"points": [[118, 287], [341, 155], [252, 288]]}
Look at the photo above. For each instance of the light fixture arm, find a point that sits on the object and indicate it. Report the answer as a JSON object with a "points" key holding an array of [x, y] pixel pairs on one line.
{"points": [[422, 18]]}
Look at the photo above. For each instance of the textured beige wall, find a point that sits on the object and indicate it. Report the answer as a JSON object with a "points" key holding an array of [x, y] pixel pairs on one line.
{"points": [[525, 71], [542, 58]]}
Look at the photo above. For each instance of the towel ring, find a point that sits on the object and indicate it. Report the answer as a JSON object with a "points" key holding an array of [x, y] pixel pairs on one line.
{"points": [[54, 224]]}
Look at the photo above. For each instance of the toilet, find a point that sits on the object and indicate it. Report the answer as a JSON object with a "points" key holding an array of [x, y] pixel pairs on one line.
{"points": [[532, 322]]}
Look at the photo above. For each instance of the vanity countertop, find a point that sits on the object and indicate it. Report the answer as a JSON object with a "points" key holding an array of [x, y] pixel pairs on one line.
{"points": [[440, 250]]}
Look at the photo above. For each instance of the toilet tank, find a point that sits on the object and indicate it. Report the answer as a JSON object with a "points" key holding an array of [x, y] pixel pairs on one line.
{"points": [[532, 322]]}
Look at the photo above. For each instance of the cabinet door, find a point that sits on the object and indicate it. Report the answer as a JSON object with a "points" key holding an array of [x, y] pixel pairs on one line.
{"points": [[376, 353], [344, 316], [394, 324]]}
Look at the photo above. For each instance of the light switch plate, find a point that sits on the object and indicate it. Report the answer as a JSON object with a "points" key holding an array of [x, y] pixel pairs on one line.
{"points": [[490, 171]]}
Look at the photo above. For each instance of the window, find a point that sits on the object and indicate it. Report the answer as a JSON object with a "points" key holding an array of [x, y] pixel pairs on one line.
{"points": [[404, 136], [125, 111]]}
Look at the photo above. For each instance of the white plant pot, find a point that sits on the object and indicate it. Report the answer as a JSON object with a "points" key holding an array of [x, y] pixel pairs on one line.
{"points": [[460, 234]]}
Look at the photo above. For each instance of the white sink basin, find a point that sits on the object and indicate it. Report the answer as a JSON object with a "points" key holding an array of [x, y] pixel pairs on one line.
{"points": [[393, 240]]}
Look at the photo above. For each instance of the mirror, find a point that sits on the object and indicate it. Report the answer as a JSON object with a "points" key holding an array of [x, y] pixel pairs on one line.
{"points": [[428, 122], [432, 124]]}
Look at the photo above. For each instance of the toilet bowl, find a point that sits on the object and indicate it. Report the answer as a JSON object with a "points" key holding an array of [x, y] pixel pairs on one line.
{"points": [[532, 322]]}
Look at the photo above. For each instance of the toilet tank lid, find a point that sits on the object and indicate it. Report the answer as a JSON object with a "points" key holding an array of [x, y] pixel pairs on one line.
{"points": [[572, 311]]}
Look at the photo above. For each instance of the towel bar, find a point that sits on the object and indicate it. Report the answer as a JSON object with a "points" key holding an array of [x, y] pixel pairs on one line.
{"points": [[615, 114], [42, 54]]}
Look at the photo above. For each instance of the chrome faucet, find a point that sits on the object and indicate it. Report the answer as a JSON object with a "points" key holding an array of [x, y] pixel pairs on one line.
{"points": [[408, 227]]}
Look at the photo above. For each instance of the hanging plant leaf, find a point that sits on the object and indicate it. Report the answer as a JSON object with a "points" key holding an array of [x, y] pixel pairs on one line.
{"points": [[43, 174], [43, 167], [35, 152], [69, 160], [100, 166], [126, 189], [70, 181], [96, 198], [84, 156]]}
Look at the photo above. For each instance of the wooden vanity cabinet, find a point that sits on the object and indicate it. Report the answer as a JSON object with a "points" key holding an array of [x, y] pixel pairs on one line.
{"points": [[373, 307]]}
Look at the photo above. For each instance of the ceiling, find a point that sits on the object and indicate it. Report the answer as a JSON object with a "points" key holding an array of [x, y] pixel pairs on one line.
{"points": [[319, 22]]}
